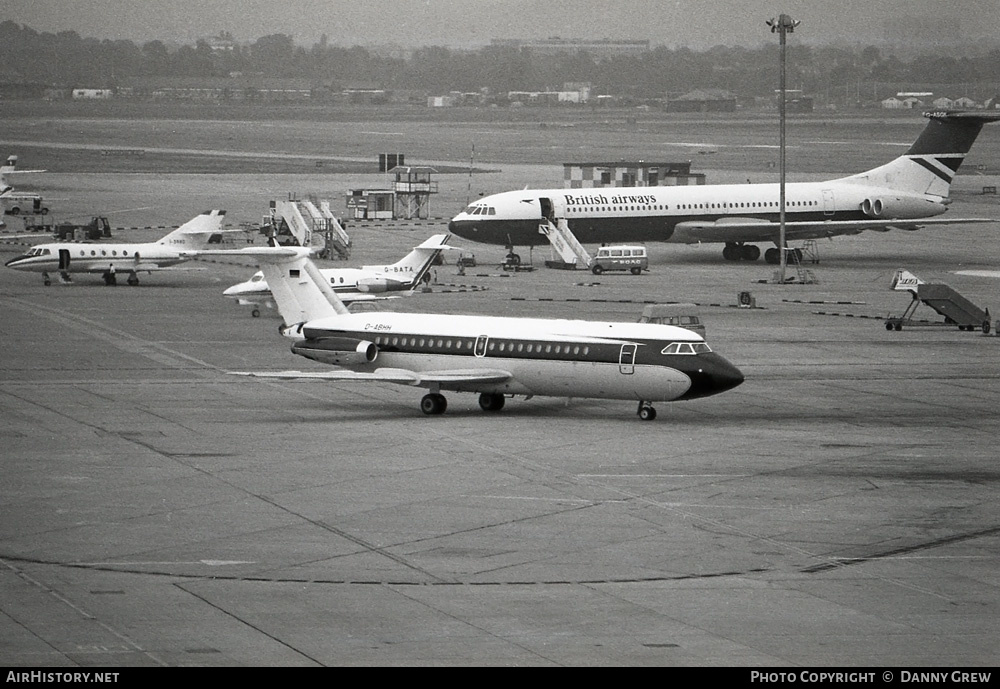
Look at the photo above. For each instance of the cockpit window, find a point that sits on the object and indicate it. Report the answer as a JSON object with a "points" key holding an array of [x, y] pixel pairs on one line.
{"points": [[686, 348], [40, 252], [481, 210]]}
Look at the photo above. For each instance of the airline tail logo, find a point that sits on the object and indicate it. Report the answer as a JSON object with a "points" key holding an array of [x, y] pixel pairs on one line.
{"points": [[905, 281]]}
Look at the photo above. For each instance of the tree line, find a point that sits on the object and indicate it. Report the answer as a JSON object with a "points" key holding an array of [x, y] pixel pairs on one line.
{"points": [[67, 60]]}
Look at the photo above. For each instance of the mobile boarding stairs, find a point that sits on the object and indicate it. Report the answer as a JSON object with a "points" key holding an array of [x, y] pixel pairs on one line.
{"points": [[956, 309], [571, 252], [311, 224]]}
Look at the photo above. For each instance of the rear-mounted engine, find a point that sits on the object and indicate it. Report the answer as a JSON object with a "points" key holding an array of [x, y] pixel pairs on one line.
{"points": [[339, 351]]}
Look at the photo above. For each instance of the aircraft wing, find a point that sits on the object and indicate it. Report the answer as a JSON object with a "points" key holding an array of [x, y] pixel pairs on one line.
{"points": [[390, 375], [757, 230]]}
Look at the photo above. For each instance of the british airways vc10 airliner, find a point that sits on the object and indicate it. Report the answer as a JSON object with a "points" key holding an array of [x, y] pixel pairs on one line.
{"points": [[903, 194]]}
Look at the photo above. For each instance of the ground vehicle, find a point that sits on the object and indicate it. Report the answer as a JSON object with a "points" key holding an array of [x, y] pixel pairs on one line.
{"points": [[683, 315], [620, 257], [97, 228]]}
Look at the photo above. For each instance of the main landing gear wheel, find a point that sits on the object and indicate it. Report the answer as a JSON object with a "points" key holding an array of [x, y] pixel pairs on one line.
{"points": [[110, 279], [741, 252], [491, 402], [133, 280], [646, 412], [433, 404]]}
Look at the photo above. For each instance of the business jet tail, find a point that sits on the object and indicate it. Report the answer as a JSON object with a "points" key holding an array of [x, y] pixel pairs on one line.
{"points": [[198, 233]]}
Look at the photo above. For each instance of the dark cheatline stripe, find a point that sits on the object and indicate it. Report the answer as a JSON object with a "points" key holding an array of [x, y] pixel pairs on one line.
{"points": [[930, 167]]}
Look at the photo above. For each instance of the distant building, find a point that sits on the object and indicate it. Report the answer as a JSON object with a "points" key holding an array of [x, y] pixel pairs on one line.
{"points": [[222, 43], [704, 100], [629, 174], [548, 97], [604, 49], [92, 94]]}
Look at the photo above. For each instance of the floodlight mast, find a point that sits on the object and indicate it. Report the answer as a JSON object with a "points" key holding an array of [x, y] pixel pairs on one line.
{"points": [[781, 26]]}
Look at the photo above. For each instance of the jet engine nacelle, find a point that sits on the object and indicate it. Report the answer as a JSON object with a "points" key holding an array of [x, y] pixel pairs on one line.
{"points": [[903, 207], [340, 351], [873, 208], [373, 285]]}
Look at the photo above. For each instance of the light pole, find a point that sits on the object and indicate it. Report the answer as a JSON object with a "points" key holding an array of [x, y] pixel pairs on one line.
{"points": [[781, 26]]}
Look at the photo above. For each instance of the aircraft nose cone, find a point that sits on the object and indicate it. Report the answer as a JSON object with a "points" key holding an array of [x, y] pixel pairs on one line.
{"points": [[727, 377], [714, 375], [462, 228], [12, 262]]}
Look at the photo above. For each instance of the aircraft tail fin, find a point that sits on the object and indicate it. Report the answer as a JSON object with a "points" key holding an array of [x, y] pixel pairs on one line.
{"points": [[299, 289], [418, 261], [931, 163], [198, 233]]}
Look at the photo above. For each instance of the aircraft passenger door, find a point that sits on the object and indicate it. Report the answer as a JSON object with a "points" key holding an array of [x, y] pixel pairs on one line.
{"points": [[828, 205], [480, 350], [626, 359], [63, 259], [548, 210]]}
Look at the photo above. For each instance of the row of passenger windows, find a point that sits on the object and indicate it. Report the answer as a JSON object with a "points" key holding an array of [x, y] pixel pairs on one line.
{"points": [[93, 252], [693, 206], [523, 347], [492, 346], [614, 209], [751, 204]]}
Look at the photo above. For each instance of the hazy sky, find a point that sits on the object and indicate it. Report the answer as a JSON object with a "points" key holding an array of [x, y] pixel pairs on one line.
{"points": [[697, 24]]}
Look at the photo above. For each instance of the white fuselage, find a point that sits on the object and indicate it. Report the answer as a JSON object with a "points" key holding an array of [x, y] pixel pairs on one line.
{"points": [[77, 257], [679, 214], [567, 358]]}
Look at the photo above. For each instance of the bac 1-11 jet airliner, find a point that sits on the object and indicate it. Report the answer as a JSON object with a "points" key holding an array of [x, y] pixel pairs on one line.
{"points": [[497, 357]]}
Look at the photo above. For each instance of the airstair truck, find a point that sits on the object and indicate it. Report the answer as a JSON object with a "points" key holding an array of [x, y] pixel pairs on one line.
{"points": [[956, 309]]}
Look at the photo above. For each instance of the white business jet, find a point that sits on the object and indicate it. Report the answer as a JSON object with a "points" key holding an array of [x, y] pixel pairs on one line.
{"points": [[109, 259], [355, 284]]}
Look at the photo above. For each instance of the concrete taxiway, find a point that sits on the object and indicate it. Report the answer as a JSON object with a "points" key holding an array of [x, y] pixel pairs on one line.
{"points": [[841, 507]]}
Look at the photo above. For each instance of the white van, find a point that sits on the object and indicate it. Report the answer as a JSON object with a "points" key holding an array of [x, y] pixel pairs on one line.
{"points": [[683, 315], [622, 257]]}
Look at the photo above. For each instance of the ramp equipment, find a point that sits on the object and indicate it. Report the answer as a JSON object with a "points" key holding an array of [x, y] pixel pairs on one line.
{"points": [[309, 223], [956, 309], [564, 242]]}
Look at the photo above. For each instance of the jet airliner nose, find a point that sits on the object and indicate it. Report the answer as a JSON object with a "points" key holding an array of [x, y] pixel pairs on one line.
{"points": [[714, 374]]}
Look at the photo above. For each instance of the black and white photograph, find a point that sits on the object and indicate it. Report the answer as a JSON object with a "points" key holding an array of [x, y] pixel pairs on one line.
{"points": [[453, 333]]}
